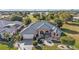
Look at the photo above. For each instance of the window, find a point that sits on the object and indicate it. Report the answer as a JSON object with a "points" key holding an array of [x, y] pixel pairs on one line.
{"points": [[57, 35], [47, 32], [54, 34], [37, 35], [41, 32]]}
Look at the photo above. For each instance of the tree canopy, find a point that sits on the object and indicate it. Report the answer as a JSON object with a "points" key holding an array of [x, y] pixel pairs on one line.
{"points": [[26, 20], [59, 23], [16, 18]]}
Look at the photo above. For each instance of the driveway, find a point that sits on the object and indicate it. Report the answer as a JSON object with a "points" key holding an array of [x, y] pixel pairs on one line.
{"points": [[26, 44]]}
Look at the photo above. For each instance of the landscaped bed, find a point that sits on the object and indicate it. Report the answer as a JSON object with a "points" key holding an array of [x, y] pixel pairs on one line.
{"points": [[45, 47]]}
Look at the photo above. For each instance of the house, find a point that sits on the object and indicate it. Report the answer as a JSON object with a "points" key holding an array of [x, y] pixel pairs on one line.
{"points": [[75, 18], [37, 29], [9, 26]]}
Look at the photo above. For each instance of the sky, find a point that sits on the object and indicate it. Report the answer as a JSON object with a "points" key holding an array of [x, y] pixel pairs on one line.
{"points": [[39, 4]]}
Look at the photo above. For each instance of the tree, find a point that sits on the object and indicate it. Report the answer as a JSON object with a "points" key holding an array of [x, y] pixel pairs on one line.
{"points": [[11, 39], [6, 36], [42, 17], [27, 21], [59, 23], [8, 39], [16, 37], [65, 16], [16, 18]]}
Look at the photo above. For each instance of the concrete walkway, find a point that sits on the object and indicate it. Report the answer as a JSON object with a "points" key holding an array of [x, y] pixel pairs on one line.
{"points": [[24, 45]]}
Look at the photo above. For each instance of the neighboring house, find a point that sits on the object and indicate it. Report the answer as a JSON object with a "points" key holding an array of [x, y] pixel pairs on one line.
{"points": [[75, 18], [39, 27], [9, 26]]}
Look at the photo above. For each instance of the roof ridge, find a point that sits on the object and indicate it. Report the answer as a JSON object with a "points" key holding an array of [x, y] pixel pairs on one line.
{"points": [[47, 25], [40, 25]]}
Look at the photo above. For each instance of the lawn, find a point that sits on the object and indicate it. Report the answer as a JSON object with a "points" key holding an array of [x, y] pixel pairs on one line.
{"points": [[54, 47], [5, 47], [72, 29]]}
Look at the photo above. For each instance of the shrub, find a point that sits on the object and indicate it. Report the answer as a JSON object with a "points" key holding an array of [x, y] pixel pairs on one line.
{"points": [[40, 41], [63, 34], [67, 40], [35, 43]]}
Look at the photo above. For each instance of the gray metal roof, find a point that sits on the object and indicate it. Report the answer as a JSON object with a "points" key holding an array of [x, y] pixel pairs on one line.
{"points": [[4, 23], [41, 24]]}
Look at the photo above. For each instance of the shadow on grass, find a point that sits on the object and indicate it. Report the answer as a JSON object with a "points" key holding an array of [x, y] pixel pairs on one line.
{"points": [[55, 41], [38, 47], [69, 31], [63, 34], [73, 24]]}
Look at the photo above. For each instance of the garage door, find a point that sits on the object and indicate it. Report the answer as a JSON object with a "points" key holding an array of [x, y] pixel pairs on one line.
{"points": [[28, 36], [27, 42]]}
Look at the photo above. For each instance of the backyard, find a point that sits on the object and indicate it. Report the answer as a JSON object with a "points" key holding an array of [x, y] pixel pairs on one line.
{"points": [[72, 29]]}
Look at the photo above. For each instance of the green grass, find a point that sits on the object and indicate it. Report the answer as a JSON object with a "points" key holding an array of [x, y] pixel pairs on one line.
{"points": [[5, 47], [72, 30], [54, 47], [76, 22], [77, 44], [66, 36]]}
